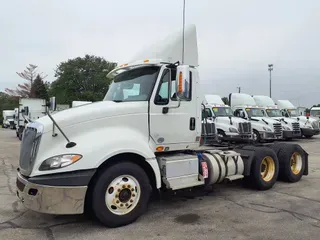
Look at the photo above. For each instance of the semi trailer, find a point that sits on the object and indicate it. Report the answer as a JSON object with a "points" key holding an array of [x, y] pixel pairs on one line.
{"points": [[139, 143], [290, 127], [264, 128], [310, 126]]}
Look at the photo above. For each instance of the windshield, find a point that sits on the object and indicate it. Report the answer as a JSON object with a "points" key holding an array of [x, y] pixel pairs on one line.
{"points": [[293, 113], [133, 85], [255, 112], [315, 113], [274, 113], [222, 111]]}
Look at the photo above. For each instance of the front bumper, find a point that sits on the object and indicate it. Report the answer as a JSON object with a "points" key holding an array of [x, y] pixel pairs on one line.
{"points": [[310, 131], [291, 134], [268, 136], [51, 199], [237, 137]]}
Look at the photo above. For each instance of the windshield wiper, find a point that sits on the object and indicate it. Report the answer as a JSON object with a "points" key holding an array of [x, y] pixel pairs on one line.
{"points": [[117, 100]]}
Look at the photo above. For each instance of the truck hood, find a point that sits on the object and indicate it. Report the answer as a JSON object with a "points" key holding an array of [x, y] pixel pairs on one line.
{"points": [[288, 120], [226, 120], [93, 111], [264, 120]]}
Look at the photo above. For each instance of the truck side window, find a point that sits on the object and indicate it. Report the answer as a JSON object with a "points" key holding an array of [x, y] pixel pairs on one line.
{"points": [[187, 94], [162, 96]]}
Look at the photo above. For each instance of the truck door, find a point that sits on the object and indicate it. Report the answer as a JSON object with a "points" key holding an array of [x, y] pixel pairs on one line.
{"points": [[172, 123]]}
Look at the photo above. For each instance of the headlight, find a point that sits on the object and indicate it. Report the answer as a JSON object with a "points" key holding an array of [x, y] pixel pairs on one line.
{"points": [[286, 128], [267, 129], [233, 130], [60, 161]]}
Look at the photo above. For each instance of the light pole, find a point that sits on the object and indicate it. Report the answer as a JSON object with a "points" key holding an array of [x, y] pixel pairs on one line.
{"points": [[239, 88], [270, 68]]}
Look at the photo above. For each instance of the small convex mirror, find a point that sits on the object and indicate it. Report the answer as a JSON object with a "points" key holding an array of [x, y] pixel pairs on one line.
{"points": [[182, 81], [52, 104]]}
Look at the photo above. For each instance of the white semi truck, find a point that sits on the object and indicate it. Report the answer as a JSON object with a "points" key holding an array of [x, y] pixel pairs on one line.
{"points": [[290, 127], [30, 109], [309, 126], [8, 120], [229, 127], [139, 143], [315, 112], [264, 128]]}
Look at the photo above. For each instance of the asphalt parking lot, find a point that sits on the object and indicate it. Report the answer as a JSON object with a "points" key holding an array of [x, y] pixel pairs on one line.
{"points": [[229, 211]]}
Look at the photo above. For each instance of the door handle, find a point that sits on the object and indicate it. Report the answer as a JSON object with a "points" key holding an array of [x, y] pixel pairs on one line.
{"points": [[192, 125]]}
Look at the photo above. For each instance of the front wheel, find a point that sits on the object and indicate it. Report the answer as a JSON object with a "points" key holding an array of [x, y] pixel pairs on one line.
{"points": [[256, 136], [120, 194]]}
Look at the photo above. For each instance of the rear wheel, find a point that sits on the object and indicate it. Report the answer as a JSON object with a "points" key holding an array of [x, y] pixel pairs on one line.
{"points": [[264, 169], [292, 161], [120, 194]]}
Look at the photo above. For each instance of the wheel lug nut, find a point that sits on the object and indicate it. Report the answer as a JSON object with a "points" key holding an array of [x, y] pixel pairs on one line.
{"points": [[133, 195], [129, 186], [119, 190], [131, 200], [121, 205], [117, 201], [127, 204], [123, 186], [132, 189]]}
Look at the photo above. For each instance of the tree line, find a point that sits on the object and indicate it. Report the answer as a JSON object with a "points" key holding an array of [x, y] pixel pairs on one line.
{"points": [[78, 79]]}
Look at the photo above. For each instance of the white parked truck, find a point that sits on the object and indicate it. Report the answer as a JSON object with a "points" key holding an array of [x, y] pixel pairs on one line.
{"points": [[309, 126], [264, 127], [315, 112], [290, 126], [30, 109], [228, 126], [16, 118], [139, 143], [8, 120]]}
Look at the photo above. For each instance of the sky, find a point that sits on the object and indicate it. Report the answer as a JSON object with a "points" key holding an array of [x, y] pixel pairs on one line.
{"points": [[236, 40]]}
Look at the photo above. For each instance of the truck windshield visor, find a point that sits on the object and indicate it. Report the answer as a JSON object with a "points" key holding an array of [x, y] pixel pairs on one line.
{"points": [[132, 84]]}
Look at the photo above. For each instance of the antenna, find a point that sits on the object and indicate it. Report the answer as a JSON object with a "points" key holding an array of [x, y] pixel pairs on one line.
{"points": [[183, 26]]}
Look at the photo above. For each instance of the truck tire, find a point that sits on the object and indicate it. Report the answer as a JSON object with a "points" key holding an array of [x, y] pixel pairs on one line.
{"points": [[264, 169], [308, 136], [292, 161], [256, 136], [120, 194], [220, 136]]}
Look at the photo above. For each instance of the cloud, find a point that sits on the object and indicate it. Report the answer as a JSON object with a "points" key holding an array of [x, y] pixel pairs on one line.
{"points": [[237, 39]]}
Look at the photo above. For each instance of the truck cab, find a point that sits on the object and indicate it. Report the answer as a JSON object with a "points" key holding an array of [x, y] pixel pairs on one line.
{"points": [[8, 120], [309, 126], [229, 127], [315, 112], [264, 128], [30, 109], [290, 127]]}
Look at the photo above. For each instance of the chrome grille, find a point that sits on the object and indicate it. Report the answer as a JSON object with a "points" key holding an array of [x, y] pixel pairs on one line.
{"points": [[277, 129], [296, 127], [28, 149], [245, 127]]}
